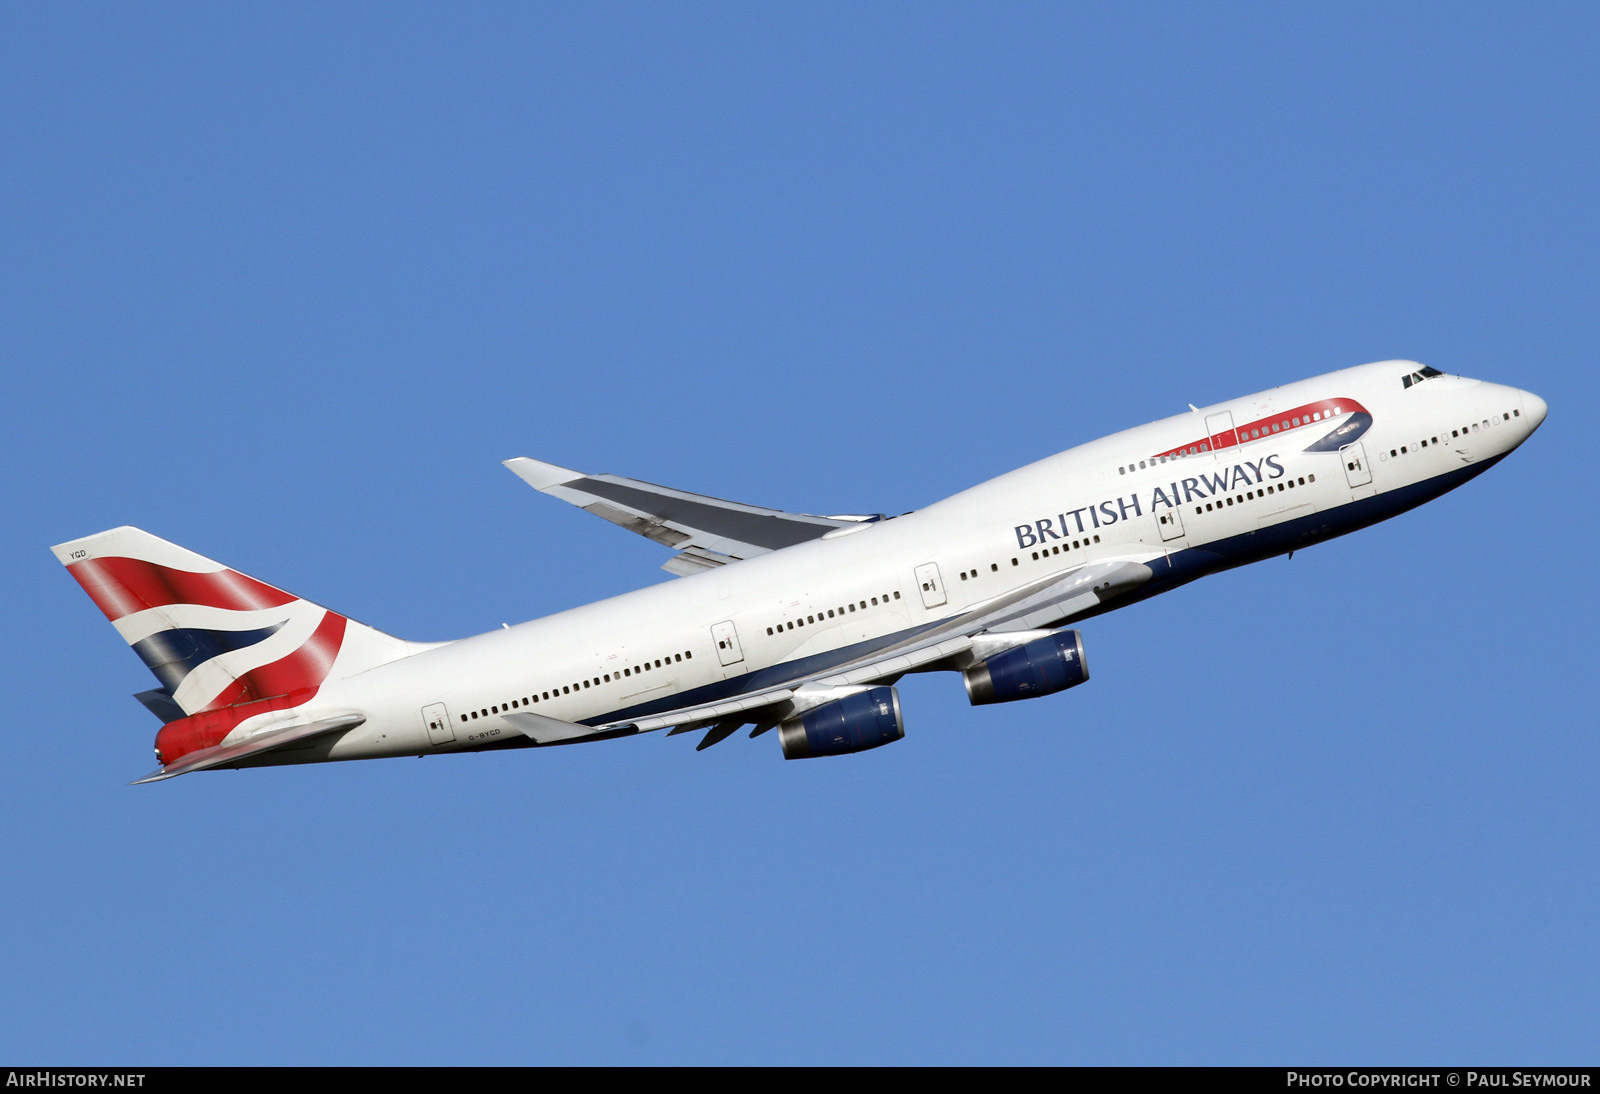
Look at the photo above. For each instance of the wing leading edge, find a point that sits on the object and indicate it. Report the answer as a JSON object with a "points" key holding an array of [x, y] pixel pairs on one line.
{"points": [[706, 531]]}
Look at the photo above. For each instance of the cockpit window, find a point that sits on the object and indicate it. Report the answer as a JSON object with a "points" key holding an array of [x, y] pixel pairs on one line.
{"points": [[1427, 372]]}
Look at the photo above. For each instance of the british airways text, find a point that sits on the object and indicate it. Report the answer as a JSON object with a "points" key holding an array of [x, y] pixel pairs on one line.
{"points": [[1168, 495]]}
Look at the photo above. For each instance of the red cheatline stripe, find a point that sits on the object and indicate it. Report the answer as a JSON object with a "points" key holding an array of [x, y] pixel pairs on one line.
{"points": [[1324, 407], [122, 586], [306, 667]]}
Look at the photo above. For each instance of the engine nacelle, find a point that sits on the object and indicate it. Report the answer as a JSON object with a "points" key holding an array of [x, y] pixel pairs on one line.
{"points": [[855, 723], [1043, 666]]}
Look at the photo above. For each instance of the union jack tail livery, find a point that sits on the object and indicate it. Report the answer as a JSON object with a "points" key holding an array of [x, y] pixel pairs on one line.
{"points": [[225, 647]]}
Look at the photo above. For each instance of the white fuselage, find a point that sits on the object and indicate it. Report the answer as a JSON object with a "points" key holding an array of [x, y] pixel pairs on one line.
{"points": [[1120, 497]]}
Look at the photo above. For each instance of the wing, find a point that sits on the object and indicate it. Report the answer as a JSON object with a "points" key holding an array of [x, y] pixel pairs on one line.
{"points": [[706, 531], [956, 642]]}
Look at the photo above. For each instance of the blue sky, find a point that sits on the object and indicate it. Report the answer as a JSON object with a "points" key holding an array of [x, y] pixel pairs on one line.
{"points": [[285, 283]]}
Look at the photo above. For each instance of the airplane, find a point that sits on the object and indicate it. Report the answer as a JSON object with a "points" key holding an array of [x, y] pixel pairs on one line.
{"points": [[792, 621]]}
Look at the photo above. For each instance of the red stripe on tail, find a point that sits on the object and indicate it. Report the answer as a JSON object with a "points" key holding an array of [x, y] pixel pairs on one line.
{"points": [[122, 586], [305, 668]]}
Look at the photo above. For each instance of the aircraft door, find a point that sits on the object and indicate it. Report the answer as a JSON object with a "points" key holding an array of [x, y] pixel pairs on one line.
{"points": [[932, 587], [1170, 521], [727, 640], [1355, 464], [437, 719], [1220, 433]]}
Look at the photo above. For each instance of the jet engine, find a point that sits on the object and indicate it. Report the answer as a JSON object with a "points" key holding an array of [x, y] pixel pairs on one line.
{"points": [[1042, 666], [855, 723]]}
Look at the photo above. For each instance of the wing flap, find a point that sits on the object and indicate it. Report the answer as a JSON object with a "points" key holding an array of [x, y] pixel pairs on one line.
{"points": [[251, 746]]}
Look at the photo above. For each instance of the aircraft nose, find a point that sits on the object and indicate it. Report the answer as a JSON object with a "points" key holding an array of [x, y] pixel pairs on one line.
{"points": [[1533, 409]]}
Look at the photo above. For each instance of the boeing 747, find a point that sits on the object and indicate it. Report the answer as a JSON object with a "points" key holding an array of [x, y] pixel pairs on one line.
{"points": [[796, 622]]}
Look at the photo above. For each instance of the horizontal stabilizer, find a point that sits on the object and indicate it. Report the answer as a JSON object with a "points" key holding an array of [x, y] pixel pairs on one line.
{"points": [[706, 531], [251, 746]]}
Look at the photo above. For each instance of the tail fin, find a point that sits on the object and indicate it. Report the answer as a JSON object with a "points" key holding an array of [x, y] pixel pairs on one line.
{"points": [[214, 637]]}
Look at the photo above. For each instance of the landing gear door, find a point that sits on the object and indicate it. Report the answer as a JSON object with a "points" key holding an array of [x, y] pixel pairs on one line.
{"points": [[931, 586], [1355, 464], [437, 719], [727, 640], [1219, 428]]}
